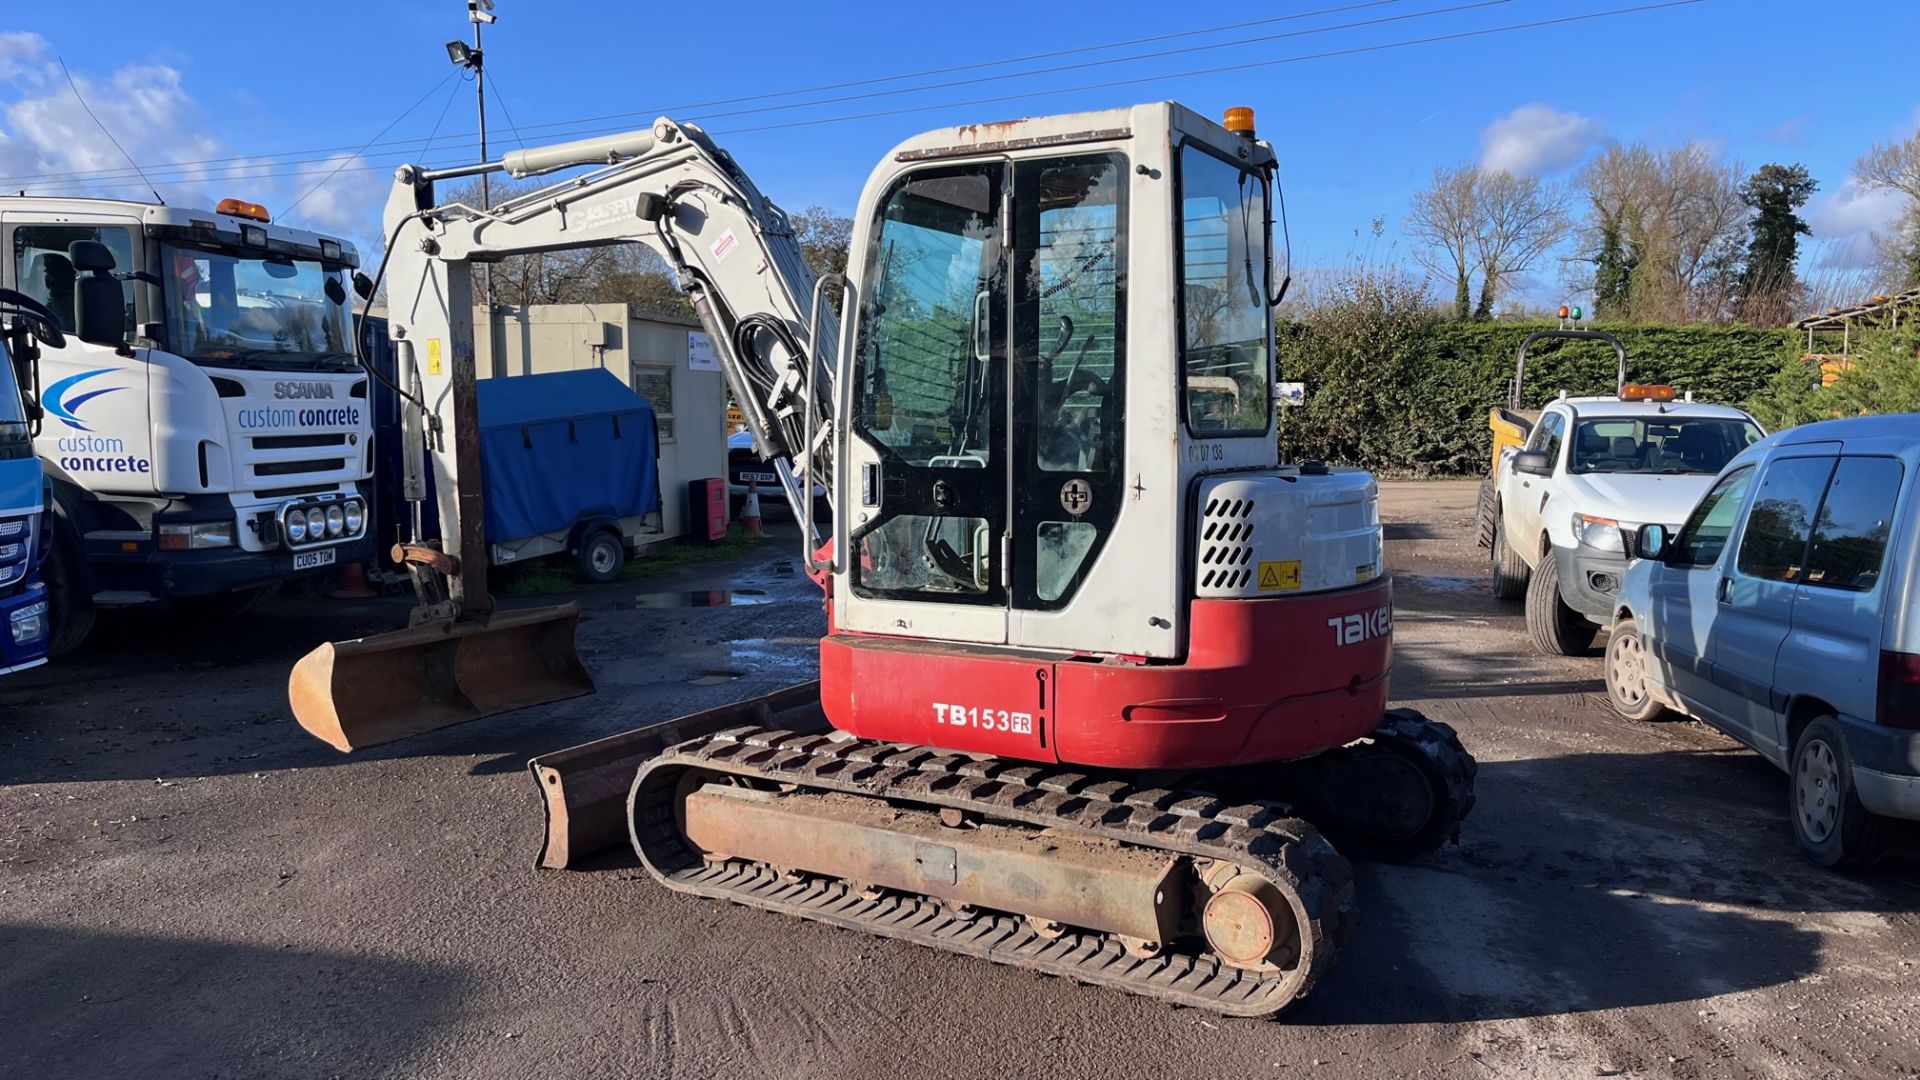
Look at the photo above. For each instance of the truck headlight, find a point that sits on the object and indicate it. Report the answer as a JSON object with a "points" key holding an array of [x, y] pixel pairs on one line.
{"points": [[336, 521], [297, 526], [29, 623], [356, 516], [195, 536], [1598, 533], [316, 523]]}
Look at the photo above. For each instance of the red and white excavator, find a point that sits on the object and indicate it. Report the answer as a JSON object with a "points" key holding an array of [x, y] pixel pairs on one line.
{"points": [[1102, 678]]}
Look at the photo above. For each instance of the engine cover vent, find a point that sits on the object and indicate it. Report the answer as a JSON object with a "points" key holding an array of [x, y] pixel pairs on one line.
{"points": [[1226, 545], [1269, 535]]}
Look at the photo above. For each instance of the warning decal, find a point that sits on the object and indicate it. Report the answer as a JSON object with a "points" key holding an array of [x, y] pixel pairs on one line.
{"points": [[1280, 575]]}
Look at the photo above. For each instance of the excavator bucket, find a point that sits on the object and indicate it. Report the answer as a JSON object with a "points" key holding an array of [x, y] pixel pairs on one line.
{"points": [[373, 690], [584, 788]]}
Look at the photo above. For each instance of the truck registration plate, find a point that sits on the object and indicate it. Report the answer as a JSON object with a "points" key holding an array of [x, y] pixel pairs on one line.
{"points": [[759, 477], [308, 560]]}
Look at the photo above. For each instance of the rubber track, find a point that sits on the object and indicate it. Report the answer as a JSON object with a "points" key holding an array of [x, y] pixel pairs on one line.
{"points": [[1256, 837]]}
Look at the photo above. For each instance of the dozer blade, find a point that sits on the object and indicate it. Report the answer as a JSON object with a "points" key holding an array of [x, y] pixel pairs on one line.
{"points": [[584, 788], [373, 690]]}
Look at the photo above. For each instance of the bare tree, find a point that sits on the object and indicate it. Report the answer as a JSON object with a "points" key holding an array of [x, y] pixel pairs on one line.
{"points": [[1665, 232], [1896, 167], [1520, 219], [1445, 217]]}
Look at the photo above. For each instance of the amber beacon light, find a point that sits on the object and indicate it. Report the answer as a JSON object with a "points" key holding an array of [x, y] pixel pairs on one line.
{"points": [[1238, 120]]}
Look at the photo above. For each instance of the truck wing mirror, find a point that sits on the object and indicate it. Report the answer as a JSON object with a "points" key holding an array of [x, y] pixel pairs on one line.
{"points": [[1534, 462], [1652, 542], [362, 285], [336, 292]]}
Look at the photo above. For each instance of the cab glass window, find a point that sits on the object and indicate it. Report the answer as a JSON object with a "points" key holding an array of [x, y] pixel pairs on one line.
{"points": [[1850, 535], [44, 272], [1548, 435], [928, 342], [1704, 536], [1227, 337], [1774, 547], [1664, 446]]}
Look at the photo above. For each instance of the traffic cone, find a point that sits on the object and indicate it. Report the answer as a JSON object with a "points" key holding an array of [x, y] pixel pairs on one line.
{"points": [[750, 513], [351, 583]]}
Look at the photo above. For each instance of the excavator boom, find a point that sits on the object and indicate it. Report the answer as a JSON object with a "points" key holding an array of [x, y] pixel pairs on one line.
{"points": [[667, 188]]}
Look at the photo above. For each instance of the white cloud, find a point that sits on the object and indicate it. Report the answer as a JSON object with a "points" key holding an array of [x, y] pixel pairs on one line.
{"points": [[1533, 139], [45, 133], [1852, 210], [20, 51]]}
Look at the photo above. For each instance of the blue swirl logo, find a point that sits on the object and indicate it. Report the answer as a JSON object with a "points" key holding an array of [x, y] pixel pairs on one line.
{"points": [[58, 402]]}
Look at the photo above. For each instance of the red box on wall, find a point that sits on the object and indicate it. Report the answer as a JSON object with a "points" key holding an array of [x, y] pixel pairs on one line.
{"points": [[707, 509]]}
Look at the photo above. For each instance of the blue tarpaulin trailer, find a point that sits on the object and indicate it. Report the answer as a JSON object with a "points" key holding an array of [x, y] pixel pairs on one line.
{"points": [[569, 462]]}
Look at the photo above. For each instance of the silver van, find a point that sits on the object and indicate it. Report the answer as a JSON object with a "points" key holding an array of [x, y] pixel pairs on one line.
{"points": [[1786, 613]]}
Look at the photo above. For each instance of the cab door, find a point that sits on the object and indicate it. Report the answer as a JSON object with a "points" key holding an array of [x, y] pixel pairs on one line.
{"points": [[928, 501], [1532, 492], [1068, 376]]}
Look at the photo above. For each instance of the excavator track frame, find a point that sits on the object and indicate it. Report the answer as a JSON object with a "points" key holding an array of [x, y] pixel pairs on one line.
{"points": [[1256, 838]]}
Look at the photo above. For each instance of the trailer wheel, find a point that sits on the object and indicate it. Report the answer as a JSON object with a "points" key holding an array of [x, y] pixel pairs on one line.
{"points": [[601, 556], [72, 615]]}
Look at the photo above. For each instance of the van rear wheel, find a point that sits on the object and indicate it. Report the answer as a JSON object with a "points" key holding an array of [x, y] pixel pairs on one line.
{"points": [[1832, 827]]}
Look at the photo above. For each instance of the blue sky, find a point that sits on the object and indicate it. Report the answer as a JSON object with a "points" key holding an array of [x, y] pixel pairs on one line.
{"points": [[1761, 80]]}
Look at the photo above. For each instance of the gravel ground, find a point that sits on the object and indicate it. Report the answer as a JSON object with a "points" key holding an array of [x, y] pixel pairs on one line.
{"points": [[189, 886]]}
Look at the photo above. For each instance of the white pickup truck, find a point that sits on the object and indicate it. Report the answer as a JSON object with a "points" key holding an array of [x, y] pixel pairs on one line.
{"points": [[1561, 509]]}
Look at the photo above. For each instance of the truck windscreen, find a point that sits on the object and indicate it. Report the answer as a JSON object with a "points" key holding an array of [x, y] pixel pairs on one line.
{"points": [[230, 307]]}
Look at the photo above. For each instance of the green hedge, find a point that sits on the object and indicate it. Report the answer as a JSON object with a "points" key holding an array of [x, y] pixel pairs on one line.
{"points": [[1391, 388]]}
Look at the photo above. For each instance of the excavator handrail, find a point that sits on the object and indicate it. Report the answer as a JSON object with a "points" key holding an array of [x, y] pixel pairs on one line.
{"points": [[841, 378], [1514, 400]]}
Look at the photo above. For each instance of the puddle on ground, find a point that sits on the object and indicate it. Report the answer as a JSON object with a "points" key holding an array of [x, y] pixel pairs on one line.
{"points": [[702, 598], [1446, 583]]}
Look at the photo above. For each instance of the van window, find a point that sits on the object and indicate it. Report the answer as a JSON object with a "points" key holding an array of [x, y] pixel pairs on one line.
{"points": [[1705, 534], [1774, 547], [1850, 537]]}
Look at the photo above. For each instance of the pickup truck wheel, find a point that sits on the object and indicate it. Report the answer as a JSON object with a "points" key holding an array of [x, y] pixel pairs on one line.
{"points": [[1509, 570], [601, 557], [72, 615], [1832, 827], [1556, 629], [1627, 688]]}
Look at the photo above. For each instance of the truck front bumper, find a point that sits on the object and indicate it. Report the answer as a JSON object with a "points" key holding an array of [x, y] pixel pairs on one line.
{"points": [[1886, 767], [209, 571], [25, 629], [1590, 580]]}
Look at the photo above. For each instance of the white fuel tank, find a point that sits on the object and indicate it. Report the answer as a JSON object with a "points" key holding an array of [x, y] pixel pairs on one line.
{"points": [[1286, 531]]}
